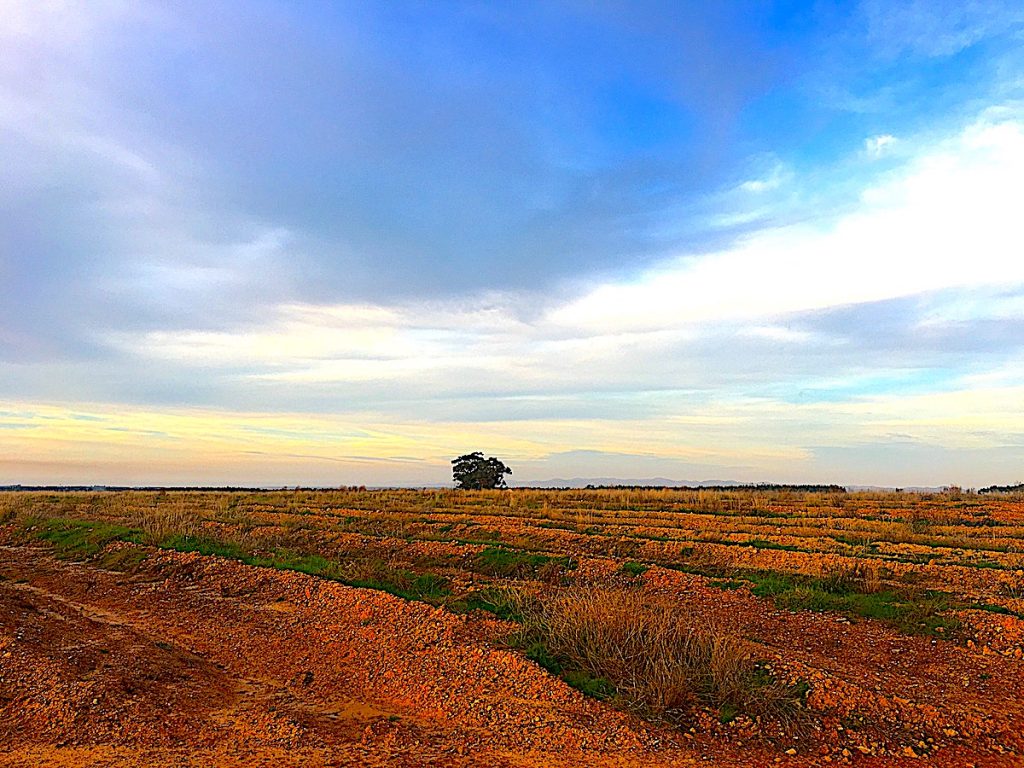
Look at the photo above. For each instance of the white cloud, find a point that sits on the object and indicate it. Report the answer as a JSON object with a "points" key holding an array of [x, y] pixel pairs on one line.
{"points": [[778, 176], [876, 146], [945, 220], [778, 333], [949, 218]]}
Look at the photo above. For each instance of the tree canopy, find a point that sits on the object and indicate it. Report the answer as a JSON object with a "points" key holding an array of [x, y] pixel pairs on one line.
{"points": [[474, 472]]}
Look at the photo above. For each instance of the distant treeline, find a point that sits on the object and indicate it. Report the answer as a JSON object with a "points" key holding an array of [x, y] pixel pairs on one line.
{"points": [[739, 487], [248, 489], [203, 488], [1018, 488]]}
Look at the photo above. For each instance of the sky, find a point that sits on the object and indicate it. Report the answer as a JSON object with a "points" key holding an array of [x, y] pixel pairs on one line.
{"points": [[283, 243]]}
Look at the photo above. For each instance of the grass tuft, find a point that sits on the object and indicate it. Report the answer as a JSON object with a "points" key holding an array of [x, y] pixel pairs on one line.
{"points": [[648, 655]]}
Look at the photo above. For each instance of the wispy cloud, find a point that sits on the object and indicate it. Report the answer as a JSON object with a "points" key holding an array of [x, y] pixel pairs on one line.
{"points": [[938, 27], [876, 146]]}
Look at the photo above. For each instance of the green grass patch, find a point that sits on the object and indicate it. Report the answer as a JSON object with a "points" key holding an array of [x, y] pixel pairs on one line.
{"points": [[586, 683], [503, 562], [633, 568], [501, 602], [313, 565], [82, 540], [988, 564], [424, 587], [924, 612], [204, 545], [409, 585], [538, 652], [595, 687], [78, 539]]}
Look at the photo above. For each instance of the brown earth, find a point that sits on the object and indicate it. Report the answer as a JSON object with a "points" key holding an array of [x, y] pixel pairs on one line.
{"points": [[200, 661], [188, 660]]}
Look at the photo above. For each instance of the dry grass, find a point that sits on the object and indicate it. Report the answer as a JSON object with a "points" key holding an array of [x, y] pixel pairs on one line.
{"points": [[658, 657], [864, 577], [159, 523]]}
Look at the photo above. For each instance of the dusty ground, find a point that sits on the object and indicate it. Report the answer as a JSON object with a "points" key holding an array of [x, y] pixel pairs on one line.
{"points": [[199, 661], [190, 660]]}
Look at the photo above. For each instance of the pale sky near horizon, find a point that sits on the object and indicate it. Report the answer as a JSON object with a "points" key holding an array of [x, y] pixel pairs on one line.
{"points": [[273, 242]]}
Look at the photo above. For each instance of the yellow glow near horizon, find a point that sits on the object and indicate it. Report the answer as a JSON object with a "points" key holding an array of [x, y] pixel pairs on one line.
{"points": [[113, 444]]}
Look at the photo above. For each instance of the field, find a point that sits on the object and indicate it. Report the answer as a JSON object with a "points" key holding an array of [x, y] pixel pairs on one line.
{"points": [[511, 628]]}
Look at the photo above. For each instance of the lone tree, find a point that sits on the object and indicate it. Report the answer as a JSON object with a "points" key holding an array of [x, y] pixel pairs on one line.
{"points": [[474, 472]]}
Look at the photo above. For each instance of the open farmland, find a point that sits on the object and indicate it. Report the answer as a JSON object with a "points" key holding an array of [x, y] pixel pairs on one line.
{"points": [[519, 628]]}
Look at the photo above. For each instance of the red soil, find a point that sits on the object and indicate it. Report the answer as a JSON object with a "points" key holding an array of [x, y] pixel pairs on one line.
{"points": [[200, 661]]}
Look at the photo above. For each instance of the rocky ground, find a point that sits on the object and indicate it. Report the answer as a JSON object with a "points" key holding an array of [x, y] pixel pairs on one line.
{"points": [[200, 661]]}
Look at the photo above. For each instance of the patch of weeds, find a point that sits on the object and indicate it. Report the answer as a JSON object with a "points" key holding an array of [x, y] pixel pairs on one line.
{"points": [[504, 603], [633, 568], [922, 612], [990, 564], [538, 652], [586, 683], [595, 687], [78, 539], [484, 536], [126, 559], [508, 563], [204, 545], [920, 524], [800, 689], [424, 587], [313, 565], [727, 713]]}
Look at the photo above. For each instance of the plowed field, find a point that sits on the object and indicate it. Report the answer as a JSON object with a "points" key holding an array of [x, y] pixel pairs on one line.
{"points": [[387, 628]]}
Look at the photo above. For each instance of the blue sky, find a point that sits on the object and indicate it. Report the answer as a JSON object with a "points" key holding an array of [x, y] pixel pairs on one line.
{"points": [[343, 242]]}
